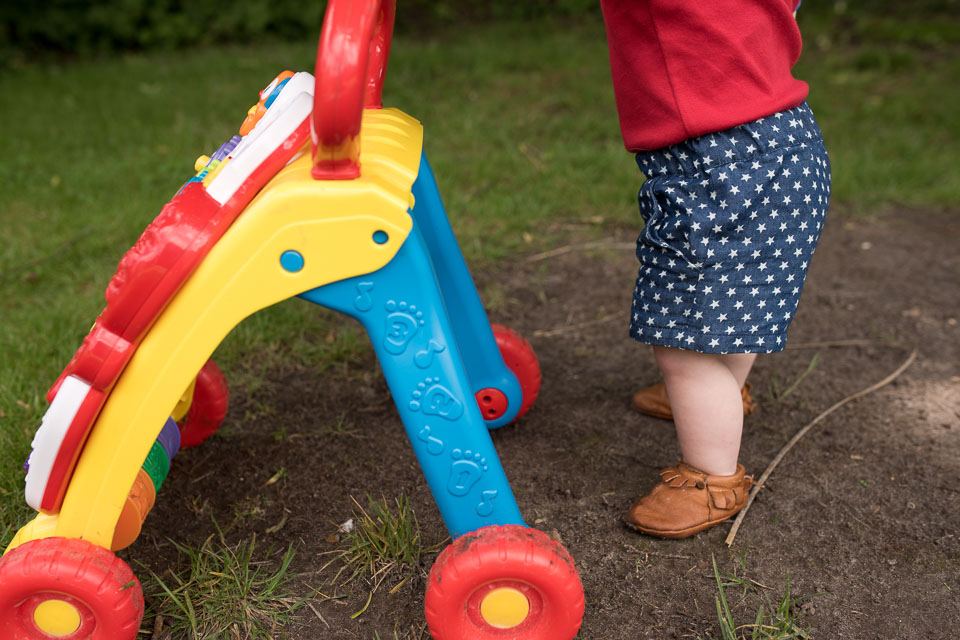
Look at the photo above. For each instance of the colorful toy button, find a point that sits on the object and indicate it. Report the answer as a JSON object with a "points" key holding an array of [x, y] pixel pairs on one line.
{"points": [[267, 96]]}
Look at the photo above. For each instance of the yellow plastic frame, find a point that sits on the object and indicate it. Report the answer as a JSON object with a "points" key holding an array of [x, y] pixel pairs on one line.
{"points": [[330, 223]]}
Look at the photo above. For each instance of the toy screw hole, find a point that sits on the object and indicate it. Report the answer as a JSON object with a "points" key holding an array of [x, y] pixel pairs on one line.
{"points": [[380, 237]]}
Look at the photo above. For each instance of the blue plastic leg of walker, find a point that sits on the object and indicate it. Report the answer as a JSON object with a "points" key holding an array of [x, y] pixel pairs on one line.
{"points": [[479, 350], [403, 311]]}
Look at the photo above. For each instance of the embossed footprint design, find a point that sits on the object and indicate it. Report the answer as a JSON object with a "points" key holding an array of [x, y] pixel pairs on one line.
{"points": [[432, 398], [403, 321], [465, 471]]}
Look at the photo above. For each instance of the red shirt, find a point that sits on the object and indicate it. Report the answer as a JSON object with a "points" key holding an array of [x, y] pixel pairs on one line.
{"points": [[683, 68]]}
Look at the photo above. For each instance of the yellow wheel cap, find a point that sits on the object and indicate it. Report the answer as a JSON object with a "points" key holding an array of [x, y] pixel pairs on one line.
{"points": [[56, 618], [504, 608]]}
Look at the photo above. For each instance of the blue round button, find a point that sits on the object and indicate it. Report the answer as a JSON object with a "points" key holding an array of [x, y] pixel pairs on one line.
{"points": [[380, 237], [291, 261]]}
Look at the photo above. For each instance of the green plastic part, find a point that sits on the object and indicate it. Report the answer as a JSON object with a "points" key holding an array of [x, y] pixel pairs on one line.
{"points": [[157, 465]]}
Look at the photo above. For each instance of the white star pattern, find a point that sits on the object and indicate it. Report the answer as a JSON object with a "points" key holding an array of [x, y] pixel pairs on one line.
{"points": [[744, 258]]}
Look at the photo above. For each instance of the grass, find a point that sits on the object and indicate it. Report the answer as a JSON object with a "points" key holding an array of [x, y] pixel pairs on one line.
{"points": [[225, 591], [771, 622], [341, 427], [885, 89], [777, 394], [382, 540]]}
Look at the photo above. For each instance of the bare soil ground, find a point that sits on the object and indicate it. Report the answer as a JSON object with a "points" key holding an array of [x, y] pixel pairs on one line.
{"points": [[863, 515]]}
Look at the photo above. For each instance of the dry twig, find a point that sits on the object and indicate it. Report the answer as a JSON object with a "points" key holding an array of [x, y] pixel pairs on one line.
{"points": [[317, 613], [783, 452], [602, 244], [546, 333], [157, 627]]}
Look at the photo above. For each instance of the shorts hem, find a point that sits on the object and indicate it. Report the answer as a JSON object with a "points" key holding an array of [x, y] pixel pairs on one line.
{"points": [[690, 339]]}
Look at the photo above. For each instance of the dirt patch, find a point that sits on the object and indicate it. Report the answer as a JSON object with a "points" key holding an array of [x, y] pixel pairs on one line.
{"points": [[863, 515]]}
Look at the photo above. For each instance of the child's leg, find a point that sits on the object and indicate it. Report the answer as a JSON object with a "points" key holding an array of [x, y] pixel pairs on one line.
{"points": [[739, 365], [708, 486], [704, 392], [654, 401]]}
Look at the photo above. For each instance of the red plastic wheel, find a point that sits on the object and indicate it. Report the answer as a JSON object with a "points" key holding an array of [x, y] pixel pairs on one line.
{"points": [[208, 407], [520, 358], [68, 589], [504, 582]]}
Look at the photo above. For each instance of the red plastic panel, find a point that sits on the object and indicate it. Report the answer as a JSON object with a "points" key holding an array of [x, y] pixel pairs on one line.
{"points": [[147, 278], [155, 268], [70, 447]]}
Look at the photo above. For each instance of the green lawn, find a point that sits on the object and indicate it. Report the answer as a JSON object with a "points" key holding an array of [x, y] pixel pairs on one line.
{"points": [[886, 90], [520, 126]]}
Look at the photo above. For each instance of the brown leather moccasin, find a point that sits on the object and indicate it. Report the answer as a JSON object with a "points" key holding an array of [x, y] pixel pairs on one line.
{"points": [[654, 401], [687, 501]]}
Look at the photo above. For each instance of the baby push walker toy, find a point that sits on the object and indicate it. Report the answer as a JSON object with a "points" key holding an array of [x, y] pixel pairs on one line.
{"points": [[327, 196]]}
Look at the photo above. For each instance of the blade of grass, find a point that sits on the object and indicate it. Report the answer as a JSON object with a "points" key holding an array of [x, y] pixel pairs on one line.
{"points": [[814, 361]]}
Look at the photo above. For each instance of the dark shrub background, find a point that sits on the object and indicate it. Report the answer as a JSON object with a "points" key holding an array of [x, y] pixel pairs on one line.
{"points": [[31, 29]]}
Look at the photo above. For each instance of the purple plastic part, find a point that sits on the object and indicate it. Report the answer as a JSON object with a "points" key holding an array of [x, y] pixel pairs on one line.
{"points": [[226, 148], [26, 463], [169, 438]]}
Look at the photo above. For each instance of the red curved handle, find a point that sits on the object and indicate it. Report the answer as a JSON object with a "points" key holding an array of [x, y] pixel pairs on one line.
{"points": [[351, 64]]}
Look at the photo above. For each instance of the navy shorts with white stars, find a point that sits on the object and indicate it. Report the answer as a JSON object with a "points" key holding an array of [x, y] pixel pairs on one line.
{"points": [[731, 222]]}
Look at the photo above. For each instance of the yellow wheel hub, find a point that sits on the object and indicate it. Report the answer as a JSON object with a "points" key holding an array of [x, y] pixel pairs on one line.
{"points": [[56, 618], [504, 608]]}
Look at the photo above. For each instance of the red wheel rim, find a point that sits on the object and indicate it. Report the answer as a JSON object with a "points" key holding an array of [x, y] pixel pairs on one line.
{"points": [[26, 613], [534, 601], [534, 570], [211, 395], [520, 358], [97, 589]]}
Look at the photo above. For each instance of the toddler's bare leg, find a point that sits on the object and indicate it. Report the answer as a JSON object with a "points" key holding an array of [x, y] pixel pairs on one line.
{"points": [[739, 365], [704, 392]]}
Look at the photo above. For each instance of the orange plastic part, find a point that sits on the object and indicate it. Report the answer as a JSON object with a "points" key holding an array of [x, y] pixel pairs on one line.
{"points": [[257, 111], [139, 502]]}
